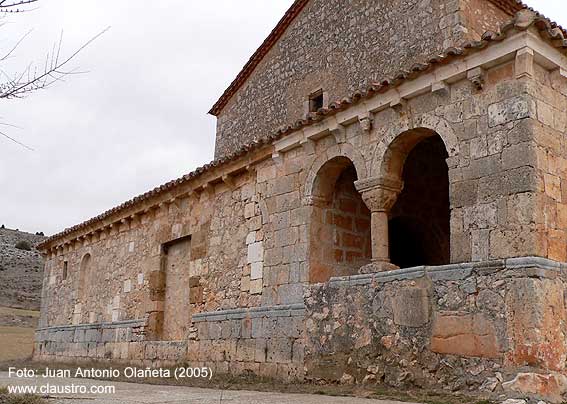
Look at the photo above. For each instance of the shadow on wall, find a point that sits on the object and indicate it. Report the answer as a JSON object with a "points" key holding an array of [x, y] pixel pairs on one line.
{"points": [[340, 226], [419, 226]]}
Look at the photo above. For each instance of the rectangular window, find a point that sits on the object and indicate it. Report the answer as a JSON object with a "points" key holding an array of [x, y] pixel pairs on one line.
{"points": [[65, 270], [316, 101]]}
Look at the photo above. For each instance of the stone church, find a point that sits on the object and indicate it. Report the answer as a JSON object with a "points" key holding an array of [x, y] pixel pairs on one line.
{"points": [[387, 204]]}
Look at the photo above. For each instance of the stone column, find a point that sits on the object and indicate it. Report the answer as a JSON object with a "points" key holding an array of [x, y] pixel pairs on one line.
{"points": [[379, 195]]}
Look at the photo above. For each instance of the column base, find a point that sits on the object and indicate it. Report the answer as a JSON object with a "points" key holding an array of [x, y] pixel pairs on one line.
{"points": [[377, 266]]}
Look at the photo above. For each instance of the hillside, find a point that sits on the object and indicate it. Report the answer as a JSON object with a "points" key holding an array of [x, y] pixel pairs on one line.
{"points": [[21, 271]]}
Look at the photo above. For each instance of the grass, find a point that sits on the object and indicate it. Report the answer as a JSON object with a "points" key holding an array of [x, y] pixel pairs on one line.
{"points": [[17, 343], [10, 311], [6, 398]]}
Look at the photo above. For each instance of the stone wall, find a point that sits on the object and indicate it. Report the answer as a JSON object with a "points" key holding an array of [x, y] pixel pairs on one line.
{"points": [[235, 246], [549, 154], [471, 327], [323, 49]]}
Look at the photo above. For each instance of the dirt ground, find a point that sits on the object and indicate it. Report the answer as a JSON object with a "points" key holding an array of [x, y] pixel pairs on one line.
{"points": [[146, 393]]}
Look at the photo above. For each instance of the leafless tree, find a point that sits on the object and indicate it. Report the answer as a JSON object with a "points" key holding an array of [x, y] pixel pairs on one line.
{"points": [[34, 76]]}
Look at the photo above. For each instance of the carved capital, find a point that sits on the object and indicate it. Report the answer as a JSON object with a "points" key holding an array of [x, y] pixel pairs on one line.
{"points": [[379, 193]]}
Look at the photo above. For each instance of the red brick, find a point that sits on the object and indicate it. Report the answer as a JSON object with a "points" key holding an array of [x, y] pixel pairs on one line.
{"points": [[343, 222]]}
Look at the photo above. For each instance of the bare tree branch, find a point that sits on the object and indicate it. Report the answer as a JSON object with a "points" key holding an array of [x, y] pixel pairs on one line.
{"points": [[34, 77], [16, 141], [12, 6], [35, 80]]}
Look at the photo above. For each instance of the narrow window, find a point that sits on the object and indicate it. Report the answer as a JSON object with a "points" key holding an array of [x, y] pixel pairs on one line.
{"points": [[316, 101], [65, 270]]}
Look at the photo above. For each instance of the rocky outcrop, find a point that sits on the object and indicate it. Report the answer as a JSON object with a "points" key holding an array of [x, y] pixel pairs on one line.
{"points": [[21, 271]]}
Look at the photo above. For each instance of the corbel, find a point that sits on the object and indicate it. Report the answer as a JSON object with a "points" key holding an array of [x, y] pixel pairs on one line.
{"points": [[338, 131], [174, 201], [228, 181], [476, 76], [209, 189], [440, 87], [125, 222], [524, 65], [308, 146], [365, 120], [251, 169], [398, 103], [277, 157]]}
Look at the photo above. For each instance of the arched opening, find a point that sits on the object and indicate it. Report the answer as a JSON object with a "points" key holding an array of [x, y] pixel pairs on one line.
{"points": [[84, 280], [419, 221], [340, 241]]}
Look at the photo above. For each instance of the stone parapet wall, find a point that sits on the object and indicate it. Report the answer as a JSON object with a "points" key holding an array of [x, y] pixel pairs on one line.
{"points": [[486, 326], [267, 341], [93, 341]]}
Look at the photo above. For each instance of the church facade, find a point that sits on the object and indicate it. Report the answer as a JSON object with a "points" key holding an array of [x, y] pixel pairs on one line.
{"points": [[387, 204]]}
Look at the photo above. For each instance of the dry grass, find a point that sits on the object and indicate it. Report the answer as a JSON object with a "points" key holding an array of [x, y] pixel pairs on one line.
{"points": [[10, 311], [17, 343], [6, 398]]}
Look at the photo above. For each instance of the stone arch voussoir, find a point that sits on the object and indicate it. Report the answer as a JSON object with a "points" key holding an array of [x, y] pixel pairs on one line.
{"points": [[426, 122], [342, 150]]}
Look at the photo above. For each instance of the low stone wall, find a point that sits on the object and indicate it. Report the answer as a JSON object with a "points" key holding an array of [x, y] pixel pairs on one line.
{"points": [[492, 326], [88, 341], [267, 341]]}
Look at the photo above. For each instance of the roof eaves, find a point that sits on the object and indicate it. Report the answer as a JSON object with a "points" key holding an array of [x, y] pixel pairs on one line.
{"points": [[509, 6], [521, 22]]}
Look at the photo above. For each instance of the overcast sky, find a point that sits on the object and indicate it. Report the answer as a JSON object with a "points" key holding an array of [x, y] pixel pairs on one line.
{"points": [[138, 118]]}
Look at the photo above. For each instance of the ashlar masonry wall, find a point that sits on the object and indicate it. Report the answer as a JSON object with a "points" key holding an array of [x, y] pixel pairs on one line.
{"points": [[324, 47]]}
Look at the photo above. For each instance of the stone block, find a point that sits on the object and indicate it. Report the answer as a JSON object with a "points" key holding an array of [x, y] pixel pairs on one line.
{"points": [[509, 110], [518, 155], [461, 334], [551, 386], [540, 304], [256, 270], [249, 210], [411, 307], [279, 350], [291, 293], [256, 252], [261, 350], [256, 286], [245, 350]]}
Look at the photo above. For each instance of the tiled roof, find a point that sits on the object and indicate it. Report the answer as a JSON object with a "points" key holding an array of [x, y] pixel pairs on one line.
{"points": [[509, 6], [255, 59], [548, 30]]}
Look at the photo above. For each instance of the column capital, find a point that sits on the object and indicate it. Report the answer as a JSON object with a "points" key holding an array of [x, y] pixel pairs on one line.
{"points": [[379, 193]]}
